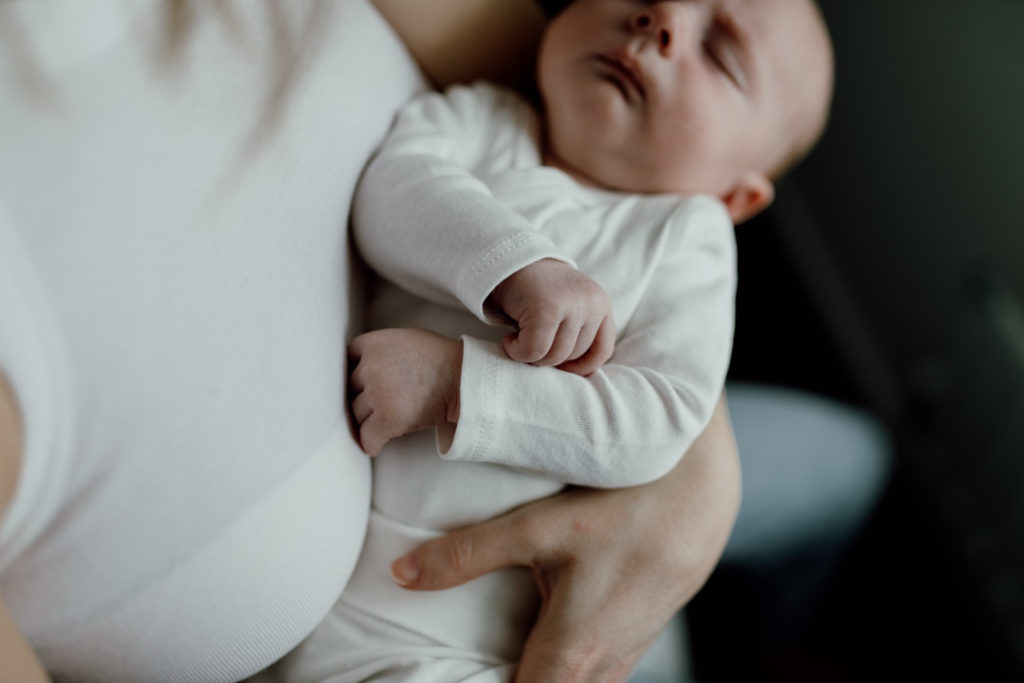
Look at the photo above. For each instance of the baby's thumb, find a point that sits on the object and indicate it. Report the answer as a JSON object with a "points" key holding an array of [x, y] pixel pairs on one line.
{"points": [[513, 348], [530, 344]]}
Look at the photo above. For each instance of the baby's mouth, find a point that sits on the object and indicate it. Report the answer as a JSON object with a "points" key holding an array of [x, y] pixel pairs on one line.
{"points": [[623, 73]]}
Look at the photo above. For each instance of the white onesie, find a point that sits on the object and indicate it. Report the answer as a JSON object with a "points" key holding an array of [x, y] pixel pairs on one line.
{"points": [[456, 201]]}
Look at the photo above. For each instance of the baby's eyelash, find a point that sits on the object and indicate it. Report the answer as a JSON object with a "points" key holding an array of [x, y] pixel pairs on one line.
{"points": [[713, 56], [724, 59]]}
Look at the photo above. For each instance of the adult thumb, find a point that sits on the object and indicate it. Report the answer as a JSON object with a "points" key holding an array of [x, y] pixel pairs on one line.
{"points": [[462, 555]]}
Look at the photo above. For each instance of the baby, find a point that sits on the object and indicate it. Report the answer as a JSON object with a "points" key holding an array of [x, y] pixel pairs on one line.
{"points": [[662, 124]]}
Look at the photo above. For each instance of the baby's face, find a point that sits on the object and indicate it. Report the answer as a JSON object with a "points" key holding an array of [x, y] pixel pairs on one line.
{"points": [[681, 96]]}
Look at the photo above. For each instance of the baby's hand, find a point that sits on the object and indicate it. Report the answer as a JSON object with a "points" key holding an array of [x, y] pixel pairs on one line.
{"points": [[564, 317], [404, 380]]}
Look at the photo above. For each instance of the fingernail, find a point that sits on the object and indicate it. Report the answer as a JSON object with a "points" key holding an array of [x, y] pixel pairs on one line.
{"points": [[405, 570]]}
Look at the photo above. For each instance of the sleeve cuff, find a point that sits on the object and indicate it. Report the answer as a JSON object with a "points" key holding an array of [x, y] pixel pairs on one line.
{"points": [[490, 270], [483, 365]]}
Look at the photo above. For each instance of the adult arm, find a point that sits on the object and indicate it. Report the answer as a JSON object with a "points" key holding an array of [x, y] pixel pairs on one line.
{"points": [[456, 41], [613, 566], [19, 662]]}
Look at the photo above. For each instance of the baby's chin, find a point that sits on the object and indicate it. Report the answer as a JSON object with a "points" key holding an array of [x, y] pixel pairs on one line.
{"points": [[645, 180], [589, 166]]}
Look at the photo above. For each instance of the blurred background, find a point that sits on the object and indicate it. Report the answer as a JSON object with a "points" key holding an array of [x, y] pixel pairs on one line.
{"points": [[889, 275]]}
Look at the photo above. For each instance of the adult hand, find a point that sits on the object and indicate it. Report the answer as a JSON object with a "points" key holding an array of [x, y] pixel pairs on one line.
{"points": [[612, 566], [404, 380]]}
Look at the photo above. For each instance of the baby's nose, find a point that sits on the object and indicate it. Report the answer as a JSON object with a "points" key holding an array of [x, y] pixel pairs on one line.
{"points": [[667, 22]]}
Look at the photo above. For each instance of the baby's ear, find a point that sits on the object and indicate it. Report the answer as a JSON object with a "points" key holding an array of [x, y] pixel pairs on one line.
{"points": [[751, 194]]}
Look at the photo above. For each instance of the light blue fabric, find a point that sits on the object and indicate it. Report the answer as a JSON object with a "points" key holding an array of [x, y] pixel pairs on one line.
{"points": [[813, 470], [650, 678]]}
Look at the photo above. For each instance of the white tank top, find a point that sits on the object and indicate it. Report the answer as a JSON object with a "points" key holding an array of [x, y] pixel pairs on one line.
{"points": [[173, 317]]}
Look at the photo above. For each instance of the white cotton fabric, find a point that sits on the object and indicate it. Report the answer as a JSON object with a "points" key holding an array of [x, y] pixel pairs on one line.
{"points": [[174, 307], [456, 201], [471, 633]]}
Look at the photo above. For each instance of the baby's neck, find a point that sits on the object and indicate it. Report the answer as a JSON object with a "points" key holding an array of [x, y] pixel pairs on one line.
{"points": [[549, 158]]}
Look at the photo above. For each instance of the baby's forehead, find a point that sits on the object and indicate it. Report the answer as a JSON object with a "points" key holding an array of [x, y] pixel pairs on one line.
{"points": [[797, 62], [793, 51], [786, 32]]}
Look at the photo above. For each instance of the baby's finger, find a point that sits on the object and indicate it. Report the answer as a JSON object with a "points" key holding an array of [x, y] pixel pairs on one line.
{"points": [[598, 353], [372, 435], [584, 341], [532, 342], [562, 345], [356, 380], [356, 347], [361, 408]]}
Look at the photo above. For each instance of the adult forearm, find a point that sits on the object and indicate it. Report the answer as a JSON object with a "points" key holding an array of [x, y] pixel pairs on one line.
{"points": [[10, 444], [19, 663], [702, 496], [456, 41]]}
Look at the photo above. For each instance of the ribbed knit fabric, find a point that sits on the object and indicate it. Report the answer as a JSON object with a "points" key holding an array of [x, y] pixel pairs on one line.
{"points": [[174, 306]]}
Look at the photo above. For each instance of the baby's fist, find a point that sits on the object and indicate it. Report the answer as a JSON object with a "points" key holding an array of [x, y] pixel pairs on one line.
{"points": [[564, 318], [404, 380]]}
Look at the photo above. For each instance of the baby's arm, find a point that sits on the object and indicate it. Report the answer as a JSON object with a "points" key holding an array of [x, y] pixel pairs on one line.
{"points": [[625, 424], [423, 220], [406, 379], [630, 421]]}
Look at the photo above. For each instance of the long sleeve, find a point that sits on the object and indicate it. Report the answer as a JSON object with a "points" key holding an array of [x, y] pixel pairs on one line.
{"points": [[632, 420], [425, 221]]}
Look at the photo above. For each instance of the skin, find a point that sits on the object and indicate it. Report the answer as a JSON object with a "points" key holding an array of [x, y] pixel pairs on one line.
{"points": [[665, 536], [612, 566], [456, 41], [678, 96], [683, 96], [574, 331], [19, 662]]}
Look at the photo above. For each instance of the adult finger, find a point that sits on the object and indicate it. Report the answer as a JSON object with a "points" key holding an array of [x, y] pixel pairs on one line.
{"points": [[598, 353], [465, 554]]}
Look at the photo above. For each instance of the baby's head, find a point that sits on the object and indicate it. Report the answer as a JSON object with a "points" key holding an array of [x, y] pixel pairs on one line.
{"points": [[687, 96]]}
